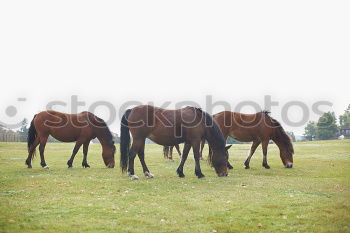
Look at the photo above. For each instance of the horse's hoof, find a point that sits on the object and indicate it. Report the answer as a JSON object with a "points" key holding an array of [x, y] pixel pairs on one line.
{"points": [[70, 166], [29, 166], [247, 167], [46, 167], [180, 173], [266, 166], [201, 176], [134, 177], [149, 175], [86, 166]]}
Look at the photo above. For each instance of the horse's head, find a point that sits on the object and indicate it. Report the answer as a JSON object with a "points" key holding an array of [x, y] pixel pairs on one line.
{"points": [[287, 157], [219, 158], [286, 150], [108, 152]]}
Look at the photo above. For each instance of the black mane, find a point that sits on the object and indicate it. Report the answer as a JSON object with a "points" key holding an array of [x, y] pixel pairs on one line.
{"points": [[274, 121], [281, 134], [102, 124], [215, 137], [266, 112]]}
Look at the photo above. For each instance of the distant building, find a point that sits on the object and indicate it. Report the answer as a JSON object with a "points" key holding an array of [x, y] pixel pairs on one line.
{"points": [[7, 135], [299, 138], [345, 131], [291, 135]]}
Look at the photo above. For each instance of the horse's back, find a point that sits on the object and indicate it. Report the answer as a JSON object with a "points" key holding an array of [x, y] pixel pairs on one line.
{"points": [[244, 127], [163, 126], [63, 126]]}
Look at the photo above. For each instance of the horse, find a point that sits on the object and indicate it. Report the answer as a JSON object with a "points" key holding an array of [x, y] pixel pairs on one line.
{"points": [[80, 128], [168, 151], [168, 128], [258, 128]]}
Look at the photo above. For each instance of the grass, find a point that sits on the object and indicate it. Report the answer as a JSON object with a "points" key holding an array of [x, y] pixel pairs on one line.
{"points": [[314, 196]]}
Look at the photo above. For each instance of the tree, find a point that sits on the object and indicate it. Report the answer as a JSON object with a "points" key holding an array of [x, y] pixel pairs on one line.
{"points": [[23, 131], [310, 131], [327, 126], [344, 119]]}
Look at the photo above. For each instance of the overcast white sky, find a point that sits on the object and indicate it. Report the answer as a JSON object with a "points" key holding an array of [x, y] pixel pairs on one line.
{"points": [[173, 51]]}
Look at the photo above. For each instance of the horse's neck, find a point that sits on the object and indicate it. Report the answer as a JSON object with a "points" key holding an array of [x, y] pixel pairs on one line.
{"points": [[211, 139], [278, 143], [102, 137]]}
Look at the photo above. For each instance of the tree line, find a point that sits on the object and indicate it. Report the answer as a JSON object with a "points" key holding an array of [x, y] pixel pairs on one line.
{"points": [[326, 127]]}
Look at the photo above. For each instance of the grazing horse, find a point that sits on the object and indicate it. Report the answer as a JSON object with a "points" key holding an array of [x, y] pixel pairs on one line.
{"points": [[168, 151], [168, 128], [257, 128], [80, 128]]}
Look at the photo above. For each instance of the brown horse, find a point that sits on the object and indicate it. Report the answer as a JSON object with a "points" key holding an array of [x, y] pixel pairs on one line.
{"points": [[80, 128], [168, 151], [257, 128], [168, 128]]}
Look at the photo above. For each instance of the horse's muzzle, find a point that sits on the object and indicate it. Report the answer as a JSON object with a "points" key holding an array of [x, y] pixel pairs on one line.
{"points": [[110, 166], [223, 174], [289, 165]]}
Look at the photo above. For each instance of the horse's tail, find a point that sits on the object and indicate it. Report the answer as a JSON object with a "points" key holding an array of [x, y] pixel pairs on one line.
{"points": [[124, 141], [31, 136]]}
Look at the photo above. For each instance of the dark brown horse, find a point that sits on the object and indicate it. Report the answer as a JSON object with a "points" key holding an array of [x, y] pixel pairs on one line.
{"points": [[168, 128], [168, 151], [257, 128], [80, 128]]}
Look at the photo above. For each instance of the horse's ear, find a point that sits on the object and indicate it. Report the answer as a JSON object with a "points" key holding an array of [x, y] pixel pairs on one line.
{"points": [[228, 147]]}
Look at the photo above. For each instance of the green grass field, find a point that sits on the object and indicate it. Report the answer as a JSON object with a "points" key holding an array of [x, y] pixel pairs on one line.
{"points": [[314, 196]]}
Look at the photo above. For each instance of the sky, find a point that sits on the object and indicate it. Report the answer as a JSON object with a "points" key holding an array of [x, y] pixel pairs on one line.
{"points": [[159, 51]]}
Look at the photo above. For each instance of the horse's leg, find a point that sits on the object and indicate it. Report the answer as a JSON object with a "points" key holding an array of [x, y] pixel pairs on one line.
{"points": [[185, 152], [85, 152], [252, 150], [75, 151], [171, 152], [202, 147], [141, 155], [31, 153], [229, 166], [135, 148], [165, 154], [42, 145], [195, 148], [264, 148], [178, 149]]}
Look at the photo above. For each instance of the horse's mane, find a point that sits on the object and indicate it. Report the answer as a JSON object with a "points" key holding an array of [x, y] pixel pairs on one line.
{"points": [[266, 112], [216, 134], [102, 124], [280, 133]]}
